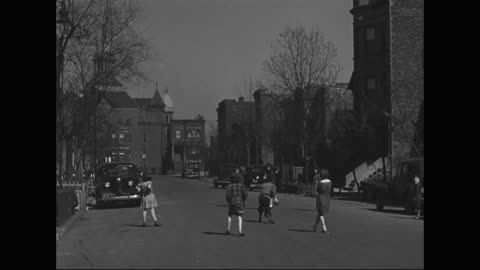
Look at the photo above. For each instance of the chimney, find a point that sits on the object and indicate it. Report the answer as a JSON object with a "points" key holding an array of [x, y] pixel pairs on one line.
{"points": [[241, 99]]}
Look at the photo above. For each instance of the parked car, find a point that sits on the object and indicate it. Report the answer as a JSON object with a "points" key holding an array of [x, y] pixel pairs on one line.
{"points": [[117, 182], [190, 173], [404, 175], [224, 172], [254, 176], [398, 186]]}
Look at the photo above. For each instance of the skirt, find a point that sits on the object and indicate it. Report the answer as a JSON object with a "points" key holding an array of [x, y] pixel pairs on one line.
{"points": [[323, 203], [235, 210], [149, 202]]}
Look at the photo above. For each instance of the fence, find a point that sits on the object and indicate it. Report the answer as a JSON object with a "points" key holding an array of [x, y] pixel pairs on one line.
{"points": [[67, 201], [72, 197]]}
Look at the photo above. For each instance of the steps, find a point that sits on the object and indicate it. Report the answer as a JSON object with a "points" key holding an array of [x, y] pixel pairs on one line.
{"points": [[363, 172]]}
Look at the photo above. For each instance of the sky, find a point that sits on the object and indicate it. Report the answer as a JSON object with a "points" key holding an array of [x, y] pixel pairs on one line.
{"points": [[207, 50]]}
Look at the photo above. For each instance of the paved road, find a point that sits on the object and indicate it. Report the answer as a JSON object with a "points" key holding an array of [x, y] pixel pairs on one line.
{"points": [[193, 215]]}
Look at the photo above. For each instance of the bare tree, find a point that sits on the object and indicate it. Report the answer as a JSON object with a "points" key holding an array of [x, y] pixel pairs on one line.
{"points": [[98, 47], [300, 60]]}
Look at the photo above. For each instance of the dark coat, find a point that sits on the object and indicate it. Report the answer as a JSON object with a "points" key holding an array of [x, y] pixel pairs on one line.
{"points": [[417, 194], [323, 196]]}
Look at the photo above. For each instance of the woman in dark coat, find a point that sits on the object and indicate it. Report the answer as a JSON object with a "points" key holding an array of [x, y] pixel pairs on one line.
{"points": [[324, 186], [417, 196]]}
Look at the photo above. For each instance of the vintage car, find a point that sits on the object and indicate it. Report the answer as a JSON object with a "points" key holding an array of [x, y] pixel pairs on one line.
{"points": [[189, 173], [254, 176], [398, 187], [117, 182], [224, 173]]}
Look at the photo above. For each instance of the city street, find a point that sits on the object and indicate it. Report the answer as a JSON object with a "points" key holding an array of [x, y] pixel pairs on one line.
{"points": [[193, 217]]}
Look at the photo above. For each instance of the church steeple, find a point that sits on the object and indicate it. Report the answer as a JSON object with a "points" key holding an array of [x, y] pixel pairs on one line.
{"points": [[168, 101], [157, 100]]}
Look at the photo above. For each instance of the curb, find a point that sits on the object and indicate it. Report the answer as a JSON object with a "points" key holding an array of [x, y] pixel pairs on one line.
{"points": [[68, 224]]}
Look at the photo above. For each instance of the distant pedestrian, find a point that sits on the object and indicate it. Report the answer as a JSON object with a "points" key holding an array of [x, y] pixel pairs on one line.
{"points": [[316, 180], [238, 176], [267, 196], [149, 201], [235, 196], [324, 187], [417, 196]]}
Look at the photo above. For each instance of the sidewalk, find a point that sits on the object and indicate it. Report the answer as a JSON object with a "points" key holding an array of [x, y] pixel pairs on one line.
{"points": [[68, 224]]}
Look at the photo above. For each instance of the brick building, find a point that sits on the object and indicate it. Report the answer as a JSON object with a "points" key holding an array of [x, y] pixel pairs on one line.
{"points": [[188, 143], [235, 118], [387, 81], [266, 122], [139, 130]]}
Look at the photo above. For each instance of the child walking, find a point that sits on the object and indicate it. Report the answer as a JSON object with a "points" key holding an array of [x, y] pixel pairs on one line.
{"points": [[149, 201]]}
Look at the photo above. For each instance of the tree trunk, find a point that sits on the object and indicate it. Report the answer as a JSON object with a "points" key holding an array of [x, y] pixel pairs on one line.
{"points": [[248, 154], [257, 155], [68, 161], [60, 164]]}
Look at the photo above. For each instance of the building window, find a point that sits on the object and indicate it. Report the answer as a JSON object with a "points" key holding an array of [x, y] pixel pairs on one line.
{"points": [[371, 84], [129, 122], [194, 134], [363, 2], [144, 138], [370, 33], [121, 135], [113, 136], [178, 134], [128, 137]]}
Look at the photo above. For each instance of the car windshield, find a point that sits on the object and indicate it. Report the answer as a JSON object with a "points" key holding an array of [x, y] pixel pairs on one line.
{"points": [[119, 170], [227, 170]]}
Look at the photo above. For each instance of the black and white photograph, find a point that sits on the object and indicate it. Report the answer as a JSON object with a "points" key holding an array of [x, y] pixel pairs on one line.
{"points": [[239, 134]]}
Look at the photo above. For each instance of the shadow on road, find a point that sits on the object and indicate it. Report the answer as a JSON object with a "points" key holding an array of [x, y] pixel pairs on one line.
{"points": [[300, 230], [112, 206], [308, 210], [251, 221], [412, 218], [247, 208], [390, 211], [140, 226], [214, 233]]}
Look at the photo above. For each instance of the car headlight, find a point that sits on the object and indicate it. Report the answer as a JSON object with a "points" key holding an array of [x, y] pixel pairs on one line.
{"points": [[130, 183], [107, 184]]}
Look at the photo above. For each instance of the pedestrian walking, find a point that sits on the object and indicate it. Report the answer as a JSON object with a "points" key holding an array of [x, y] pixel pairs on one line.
{"points": [[324, 187], [149, 201], [417, 196], [238, 176], [236, 196], [316, 180], [267, 196]]}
